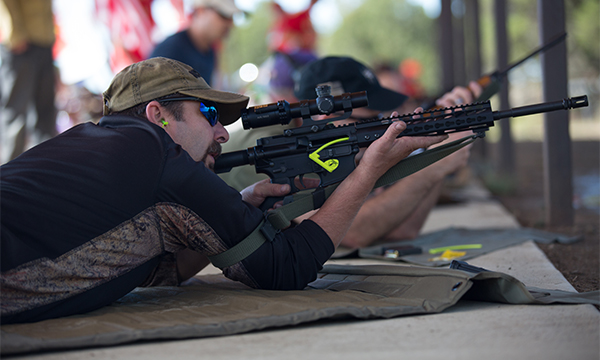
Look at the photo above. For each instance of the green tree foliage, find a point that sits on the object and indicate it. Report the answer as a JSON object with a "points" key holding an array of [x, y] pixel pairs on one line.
{"points": [[522, 28], [583, 25], [387, 32], [377, 32], [248, 41]]}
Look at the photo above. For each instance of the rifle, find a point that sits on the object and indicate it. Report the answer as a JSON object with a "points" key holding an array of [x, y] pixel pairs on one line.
{"points": [[328, 150], [491, 83]]}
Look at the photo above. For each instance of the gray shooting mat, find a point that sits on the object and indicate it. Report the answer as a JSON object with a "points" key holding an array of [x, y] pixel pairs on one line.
{"points": [[489, 239], [211, 305]]}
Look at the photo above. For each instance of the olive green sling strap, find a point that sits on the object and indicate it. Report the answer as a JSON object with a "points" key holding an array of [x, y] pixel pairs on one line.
{"points": [[305, 201]]}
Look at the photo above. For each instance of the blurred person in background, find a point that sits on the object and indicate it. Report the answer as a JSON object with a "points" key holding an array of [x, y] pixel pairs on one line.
{"points": [[291, 42], [292, 32], [27, 75], [211, 21], [403, 79]]}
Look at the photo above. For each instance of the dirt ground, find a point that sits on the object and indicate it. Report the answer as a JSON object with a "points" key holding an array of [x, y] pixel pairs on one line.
{"points": [[578, 262]]}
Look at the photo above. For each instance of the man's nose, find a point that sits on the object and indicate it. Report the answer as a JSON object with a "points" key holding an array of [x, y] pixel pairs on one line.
{"points": [[221, 134]]}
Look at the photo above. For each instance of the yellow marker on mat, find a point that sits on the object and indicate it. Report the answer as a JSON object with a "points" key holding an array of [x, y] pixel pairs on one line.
{"points": [[449, 255], [454, 247]]}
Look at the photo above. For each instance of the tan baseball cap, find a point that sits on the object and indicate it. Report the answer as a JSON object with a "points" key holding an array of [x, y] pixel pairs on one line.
{"points": [[226, 8], [157, 77]]}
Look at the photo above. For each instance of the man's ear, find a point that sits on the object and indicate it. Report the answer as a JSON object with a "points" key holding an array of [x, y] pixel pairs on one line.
{"points": [[154, 113]]}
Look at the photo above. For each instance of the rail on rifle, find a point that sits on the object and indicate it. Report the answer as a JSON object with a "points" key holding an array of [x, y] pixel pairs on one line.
{"points": [[476, 117], [298, 142], [329, 150]]}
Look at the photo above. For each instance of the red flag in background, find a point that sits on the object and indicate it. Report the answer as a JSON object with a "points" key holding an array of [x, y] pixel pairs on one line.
{"points": [[131, 25], [182, 18], [59, 43], [292, 32]]}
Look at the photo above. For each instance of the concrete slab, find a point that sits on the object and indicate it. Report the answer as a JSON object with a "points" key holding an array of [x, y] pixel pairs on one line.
{"points": [[478, 211], [469, 330]]}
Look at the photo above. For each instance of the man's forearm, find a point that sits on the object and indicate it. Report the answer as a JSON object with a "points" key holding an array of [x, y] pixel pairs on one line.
{"points": [[389, 209], [338, 212], [412, 225]]}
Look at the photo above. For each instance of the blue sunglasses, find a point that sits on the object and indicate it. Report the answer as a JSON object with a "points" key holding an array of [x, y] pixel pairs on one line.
{"points": [[209, 112]]}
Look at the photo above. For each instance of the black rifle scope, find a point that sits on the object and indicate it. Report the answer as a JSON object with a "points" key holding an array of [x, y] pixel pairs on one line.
{"points": [[283, 112]]}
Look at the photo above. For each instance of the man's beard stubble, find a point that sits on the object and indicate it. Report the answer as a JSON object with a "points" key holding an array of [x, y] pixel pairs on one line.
{"points": [[215, 151]]}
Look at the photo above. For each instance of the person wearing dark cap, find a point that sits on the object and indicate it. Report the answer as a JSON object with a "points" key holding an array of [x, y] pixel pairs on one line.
{"points": [[131, 201], [345, 74], [398, 211], [210, 22]]}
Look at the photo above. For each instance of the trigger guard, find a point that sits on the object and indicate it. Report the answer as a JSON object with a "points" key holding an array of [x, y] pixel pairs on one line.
{"points": [[301, 178]]}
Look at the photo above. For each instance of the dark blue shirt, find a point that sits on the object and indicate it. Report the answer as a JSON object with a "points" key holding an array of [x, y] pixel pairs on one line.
{"points": [[179, 47]]}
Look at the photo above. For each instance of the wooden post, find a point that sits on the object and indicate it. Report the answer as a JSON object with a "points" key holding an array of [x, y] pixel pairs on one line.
{"points": [[506, 145], [458, 21], [558, 170], [473, 58], [472, 40], [446, 46]]}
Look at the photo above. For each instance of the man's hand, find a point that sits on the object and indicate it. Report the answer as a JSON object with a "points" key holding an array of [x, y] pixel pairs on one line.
{"points": [[407, 142], [387, 151], [257, 193], [454, 161], [460, 95], [340, 209]]}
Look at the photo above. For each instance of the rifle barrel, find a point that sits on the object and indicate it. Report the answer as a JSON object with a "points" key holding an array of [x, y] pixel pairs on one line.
{"points": [[225, 162], [566, 104]]}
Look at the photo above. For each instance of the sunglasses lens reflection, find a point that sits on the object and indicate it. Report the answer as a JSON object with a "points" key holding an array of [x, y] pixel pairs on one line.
{"points": [[210, 113]]}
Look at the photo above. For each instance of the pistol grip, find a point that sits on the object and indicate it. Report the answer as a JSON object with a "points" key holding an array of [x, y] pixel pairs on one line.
{"points": [[270, 202]]}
